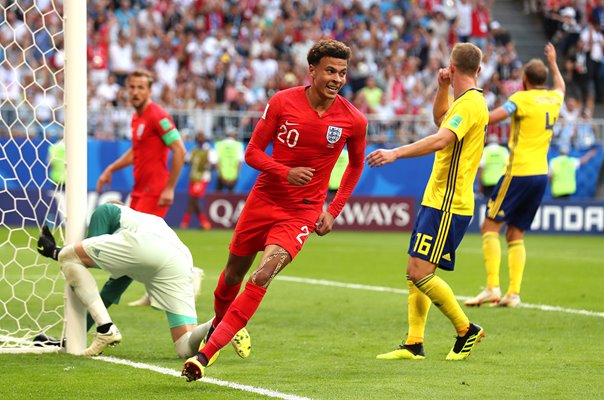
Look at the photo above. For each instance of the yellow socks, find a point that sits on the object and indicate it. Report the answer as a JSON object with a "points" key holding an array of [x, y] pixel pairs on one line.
{"points": [[442, 296], [418, 305], [491, 250], [516, 262]]}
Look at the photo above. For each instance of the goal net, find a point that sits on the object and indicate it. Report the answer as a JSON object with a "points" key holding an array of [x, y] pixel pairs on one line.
{"points": [[33, 137]]}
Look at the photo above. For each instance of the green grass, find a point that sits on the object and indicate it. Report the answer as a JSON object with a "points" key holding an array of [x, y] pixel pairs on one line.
{"points": [[320, 341]]}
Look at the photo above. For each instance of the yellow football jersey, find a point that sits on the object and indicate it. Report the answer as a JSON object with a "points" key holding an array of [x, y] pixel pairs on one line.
{"points": [[451, 184], [533, 120]]}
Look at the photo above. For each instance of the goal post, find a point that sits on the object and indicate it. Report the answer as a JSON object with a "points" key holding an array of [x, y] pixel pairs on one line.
{"points": [[76, 158], [43, 102]]}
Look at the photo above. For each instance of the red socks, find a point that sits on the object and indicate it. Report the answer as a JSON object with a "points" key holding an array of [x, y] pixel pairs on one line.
{"points": [[240, 312], [224, 295]]}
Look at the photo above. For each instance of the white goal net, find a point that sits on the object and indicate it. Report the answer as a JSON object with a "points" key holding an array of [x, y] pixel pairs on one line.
{"points": [[32, 126]]}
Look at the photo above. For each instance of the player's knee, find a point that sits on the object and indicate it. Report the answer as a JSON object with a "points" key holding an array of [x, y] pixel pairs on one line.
{"points": [[261, 278], [68, 254], [418, 269], [513, 233], [70, 264], [233, 276], [183, 347]]}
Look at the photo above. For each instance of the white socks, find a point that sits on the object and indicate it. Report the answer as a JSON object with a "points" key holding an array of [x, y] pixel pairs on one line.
{"points": [[83, 284]]}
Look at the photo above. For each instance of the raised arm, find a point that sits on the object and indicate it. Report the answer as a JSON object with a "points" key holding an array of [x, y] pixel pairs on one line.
{"points": [[558, 81], [441, 100]]}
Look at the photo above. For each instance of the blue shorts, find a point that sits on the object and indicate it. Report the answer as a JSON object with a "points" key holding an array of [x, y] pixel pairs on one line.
{"points": [[516, 199], [436, 235]]}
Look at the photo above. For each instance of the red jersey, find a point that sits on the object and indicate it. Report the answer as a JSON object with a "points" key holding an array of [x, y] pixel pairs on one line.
{"points": [[303, 139], [152, 133]]}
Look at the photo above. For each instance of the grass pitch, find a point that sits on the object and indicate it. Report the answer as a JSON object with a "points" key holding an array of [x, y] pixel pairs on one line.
{"points": [[318, 340]]}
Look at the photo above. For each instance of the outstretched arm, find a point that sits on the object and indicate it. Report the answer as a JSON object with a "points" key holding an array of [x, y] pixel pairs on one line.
{"points": [[105, 179], [428, 145]]}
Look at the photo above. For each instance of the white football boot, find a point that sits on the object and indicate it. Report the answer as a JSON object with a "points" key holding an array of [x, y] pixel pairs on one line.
{"points": [[103, 340], [488, 295]]}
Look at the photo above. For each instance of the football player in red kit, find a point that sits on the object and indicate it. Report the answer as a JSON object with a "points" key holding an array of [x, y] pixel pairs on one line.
{"points": [[308, 128], [154, 135]]}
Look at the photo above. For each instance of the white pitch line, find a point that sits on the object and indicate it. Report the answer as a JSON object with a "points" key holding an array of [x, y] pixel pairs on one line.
{"points": [[231, 385], [357, 286]]}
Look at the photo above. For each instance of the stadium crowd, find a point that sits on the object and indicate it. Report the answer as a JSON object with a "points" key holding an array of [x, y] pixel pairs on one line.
{"points": [[231, 55]]}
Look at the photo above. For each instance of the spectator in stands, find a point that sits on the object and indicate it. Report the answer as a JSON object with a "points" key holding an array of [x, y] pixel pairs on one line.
{"points": [[230, 158], [201, 160], [500, 36], [372, 92], [464, 20], [568, 30], [338, 172], [108, 89], [56, 164], [530, 6], [565, 128], [204, 37], [594, 41], [584, 137], [481, 18], [121, 61], [563, 172], [492, 165], [439, 24], [581, 79]]}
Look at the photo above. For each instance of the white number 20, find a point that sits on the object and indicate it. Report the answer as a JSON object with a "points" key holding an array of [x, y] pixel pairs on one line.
{"points": [[289, 137]]}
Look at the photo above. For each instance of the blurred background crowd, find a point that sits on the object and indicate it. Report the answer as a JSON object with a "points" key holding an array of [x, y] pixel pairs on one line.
{"points": [[218, 61]]}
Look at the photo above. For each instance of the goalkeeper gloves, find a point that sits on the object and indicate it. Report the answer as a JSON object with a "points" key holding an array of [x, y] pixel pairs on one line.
{"points": [[47, 245]]}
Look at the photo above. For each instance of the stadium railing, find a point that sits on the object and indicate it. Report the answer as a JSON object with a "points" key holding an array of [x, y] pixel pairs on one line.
{"points": [[114, 123]]}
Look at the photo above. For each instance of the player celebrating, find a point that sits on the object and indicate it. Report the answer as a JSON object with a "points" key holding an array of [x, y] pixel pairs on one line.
{"points": [[519, 192], [447, 205], [122, 242], [308, 127], [153, 136]]}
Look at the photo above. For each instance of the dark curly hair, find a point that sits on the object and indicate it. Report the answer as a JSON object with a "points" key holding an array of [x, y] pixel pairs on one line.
{"points": [[328, 48]]}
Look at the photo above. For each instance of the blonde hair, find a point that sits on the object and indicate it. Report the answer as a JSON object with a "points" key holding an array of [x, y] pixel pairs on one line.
{"points": [[467, 58], [536, 72], [143, 73]]}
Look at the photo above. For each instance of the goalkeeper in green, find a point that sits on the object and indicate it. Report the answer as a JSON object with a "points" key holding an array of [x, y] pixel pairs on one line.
{"points": [[125, 242]]}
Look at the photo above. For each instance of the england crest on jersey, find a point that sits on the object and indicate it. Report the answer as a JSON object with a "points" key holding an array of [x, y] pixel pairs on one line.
{"points": [[140, 130], [333, 134]]}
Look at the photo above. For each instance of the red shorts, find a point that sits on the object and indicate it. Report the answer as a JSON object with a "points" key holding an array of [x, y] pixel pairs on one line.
{"points": [[197, 189], [262, 223], [148, 205]]}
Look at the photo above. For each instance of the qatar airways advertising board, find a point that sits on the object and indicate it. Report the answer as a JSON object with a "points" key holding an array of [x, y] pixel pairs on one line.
{"points": [[363, 213]]}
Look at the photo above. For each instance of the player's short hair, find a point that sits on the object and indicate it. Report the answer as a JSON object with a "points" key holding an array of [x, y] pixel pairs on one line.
{"points": [[328, 48], [536, 72], [467, 58], [143, 73]]}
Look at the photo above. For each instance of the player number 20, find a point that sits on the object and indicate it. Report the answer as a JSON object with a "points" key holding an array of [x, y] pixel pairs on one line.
{"points": [[289, 137], [423, 244]]}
